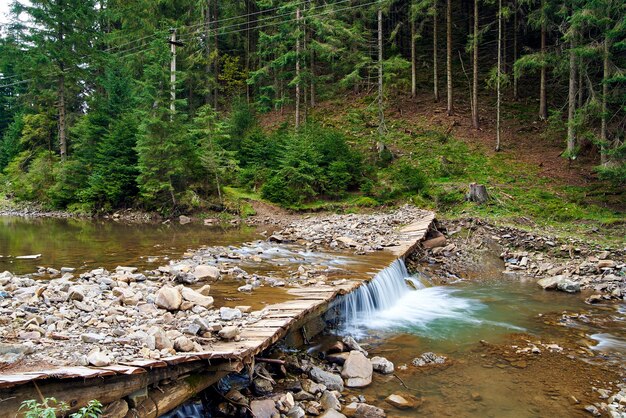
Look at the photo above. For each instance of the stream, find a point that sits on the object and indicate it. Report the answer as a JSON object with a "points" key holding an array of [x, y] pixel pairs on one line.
{"points": [[468, 322]]}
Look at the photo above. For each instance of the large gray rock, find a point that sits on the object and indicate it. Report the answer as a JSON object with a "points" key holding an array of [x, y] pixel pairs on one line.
{"points": [[559, 282], [161, 341], [403, 401], [382, 365], [427, 359], [363, 410], [228, 333], [357, 370], [351, 344], [204, 272], [568, 286], [196, 298], [228, 314], [329, 401], [330, 380], [264, 409], [168, 298], [98, 359]]}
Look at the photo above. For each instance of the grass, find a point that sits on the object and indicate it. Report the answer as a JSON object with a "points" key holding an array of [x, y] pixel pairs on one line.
{"points": [[517, 191]]}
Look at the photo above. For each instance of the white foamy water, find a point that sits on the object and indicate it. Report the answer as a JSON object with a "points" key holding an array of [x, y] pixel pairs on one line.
{"points": [[394, 300], [609, 343]]}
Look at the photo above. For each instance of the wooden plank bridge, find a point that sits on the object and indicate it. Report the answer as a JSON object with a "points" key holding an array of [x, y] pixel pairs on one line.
{"points": [[153, 387]]}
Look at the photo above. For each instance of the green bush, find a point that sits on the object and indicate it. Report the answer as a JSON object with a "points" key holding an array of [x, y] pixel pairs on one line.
{"points": [[408, 178]]}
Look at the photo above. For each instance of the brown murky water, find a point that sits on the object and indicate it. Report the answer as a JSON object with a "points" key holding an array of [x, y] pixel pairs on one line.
{"points": [[87, 244]]}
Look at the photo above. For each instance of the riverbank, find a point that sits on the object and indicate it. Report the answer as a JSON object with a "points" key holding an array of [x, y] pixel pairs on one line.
{"points": [[469, 247]]}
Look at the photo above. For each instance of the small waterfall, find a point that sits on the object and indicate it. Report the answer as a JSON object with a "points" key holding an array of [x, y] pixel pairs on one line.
{"points": [[381, 293]]}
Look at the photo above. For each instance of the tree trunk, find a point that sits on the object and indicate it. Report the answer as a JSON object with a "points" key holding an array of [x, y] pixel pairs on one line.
{"points": [[499, 75], [449, 55], [571, 103], [173, 73], [413, 63], [62, 117], [298, 68], [207, 49], [543, 106], [581, 85], [381, 112], [312, 65], [605, 92], [478, 193], [435, 58], [515, 25], [475, 119], [216, 66]]}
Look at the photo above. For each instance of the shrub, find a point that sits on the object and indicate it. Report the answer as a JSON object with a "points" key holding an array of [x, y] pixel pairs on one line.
{"points": [[408, 178]]}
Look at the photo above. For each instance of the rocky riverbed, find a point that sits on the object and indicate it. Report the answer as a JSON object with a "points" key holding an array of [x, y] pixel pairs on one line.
{"points": [[58, 317], [570, 265]]}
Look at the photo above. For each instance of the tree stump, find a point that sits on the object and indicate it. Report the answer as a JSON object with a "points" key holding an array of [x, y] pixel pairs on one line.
{"points": [[478, 193]]}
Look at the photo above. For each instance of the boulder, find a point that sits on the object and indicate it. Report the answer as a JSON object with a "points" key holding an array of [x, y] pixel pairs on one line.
{"points": [[98, 359], [228, 314], [228, 333], [330, 380], [330, 401], [183, 344], [427, 359], [351, 344], [161, 341], [196, 298], [262, 387], [403, 401], [205, 271], [168, 298], [296, 412], [559, 282], [568, 286], [182, 219], [382, 365], [363, 410], [357, 370], [264, 409]]}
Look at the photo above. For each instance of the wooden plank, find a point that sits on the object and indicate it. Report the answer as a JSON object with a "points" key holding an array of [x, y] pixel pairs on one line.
{"points": [[120, 369]]}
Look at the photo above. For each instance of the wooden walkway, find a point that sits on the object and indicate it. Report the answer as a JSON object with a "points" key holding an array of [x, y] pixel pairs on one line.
{"points": [[78, 385]]}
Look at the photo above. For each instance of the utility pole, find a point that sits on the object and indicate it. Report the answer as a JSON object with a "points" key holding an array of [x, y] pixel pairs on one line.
{"points": [[173, 44], [173, 72]]}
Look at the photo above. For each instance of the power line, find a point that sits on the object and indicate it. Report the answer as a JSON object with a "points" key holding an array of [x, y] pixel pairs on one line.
{"points": [[216, 21], [189, 36]]}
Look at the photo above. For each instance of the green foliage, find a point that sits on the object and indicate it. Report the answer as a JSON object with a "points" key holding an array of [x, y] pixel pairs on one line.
{"points": [[10, 144], [51, 408], [46, 409], [314, 162], [410, 179]]}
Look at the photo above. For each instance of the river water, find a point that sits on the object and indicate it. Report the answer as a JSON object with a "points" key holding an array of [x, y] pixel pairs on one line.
{"points": [[474, 324]]}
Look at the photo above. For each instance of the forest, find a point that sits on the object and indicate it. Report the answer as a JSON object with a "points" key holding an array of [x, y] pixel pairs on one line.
{"points": [[163, 105]]}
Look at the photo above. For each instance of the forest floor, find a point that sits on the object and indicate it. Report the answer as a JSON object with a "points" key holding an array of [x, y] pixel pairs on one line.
{"points": [[531, 185]]}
